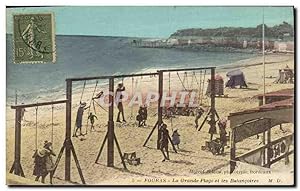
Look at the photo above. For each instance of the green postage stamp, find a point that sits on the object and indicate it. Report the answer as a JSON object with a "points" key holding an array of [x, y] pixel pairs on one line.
{"points": [[34, 38]]}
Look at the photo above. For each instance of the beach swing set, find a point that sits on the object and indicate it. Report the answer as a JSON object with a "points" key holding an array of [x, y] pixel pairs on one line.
{"points": [[110, 138], [212, 111], [67, 145]]}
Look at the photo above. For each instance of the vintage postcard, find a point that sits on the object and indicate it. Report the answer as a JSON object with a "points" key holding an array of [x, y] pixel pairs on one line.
{"points": [[152, 96]]}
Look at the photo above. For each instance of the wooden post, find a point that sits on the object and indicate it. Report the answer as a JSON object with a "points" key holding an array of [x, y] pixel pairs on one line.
{"points": [[110, 127], [17, 162], [160, 109], [269, 144], [68, 130], [264, 151], [232, 152], [212, 99]]}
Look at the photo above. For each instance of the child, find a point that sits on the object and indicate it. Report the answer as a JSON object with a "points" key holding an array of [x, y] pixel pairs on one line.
{"points": [[176, 138], [92, 120]]}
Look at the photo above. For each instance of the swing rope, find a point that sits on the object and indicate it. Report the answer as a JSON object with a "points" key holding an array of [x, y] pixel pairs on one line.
{"points": [[100, 106], [202, 87], [196, 79], [171, 117], [87, 121], [131, 109], [182, 82], [192, 83], [94, 107], [52, 124], [200, 78], [36, 127], [82, 91], [187, 80]]}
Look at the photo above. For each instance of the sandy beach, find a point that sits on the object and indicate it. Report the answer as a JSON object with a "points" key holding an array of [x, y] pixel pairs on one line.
{"points": [[190, 161]]}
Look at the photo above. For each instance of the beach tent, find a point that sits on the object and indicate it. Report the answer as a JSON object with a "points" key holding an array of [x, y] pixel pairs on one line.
{"points": [[286, 75], [219, 86], [236, 78]]}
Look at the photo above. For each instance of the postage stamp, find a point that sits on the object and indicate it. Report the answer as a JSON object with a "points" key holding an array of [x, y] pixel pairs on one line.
{"points": [[34, 38]]}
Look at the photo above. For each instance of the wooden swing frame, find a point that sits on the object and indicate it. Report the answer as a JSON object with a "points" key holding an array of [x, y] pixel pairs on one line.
{"points": [[110, 136]]}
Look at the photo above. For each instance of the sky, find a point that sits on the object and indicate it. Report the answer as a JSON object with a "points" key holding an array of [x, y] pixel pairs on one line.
{"points": [[153, 22]]}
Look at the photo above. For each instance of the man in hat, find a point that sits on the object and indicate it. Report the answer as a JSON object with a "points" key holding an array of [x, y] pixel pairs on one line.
{"points": [[80, 111], [119, 98], [164, 141]]}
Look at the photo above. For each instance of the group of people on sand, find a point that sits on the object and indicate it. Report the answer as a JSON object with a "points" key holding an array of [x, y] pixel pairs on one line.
{"points": [[141, 116], [175, 110]]}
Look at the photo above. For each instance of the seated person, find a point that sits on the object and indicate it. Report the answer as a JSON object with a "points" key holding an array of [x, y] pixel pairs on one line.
{"points": [[142, 116]]}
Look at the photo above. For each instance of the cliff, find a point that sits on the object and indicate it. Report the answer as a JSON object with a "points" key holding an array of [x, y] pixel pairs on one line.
{"points": [[280, 31]]}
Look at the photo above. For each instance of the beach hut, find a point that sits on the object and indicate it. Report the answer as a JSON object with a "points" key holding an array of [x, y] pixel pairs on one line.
{"points": [[286, 75], [219, 86], [236, 78]]}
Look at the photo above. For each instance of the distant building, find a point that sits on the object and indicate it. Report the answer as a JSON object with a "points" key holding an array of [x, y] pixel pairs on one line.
{"points": [[244, 44], [284, 46], [172, 42]]}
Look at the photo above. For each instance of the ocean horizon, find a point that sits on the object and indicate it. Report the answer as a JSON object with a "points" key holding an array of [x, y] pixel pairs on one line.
{"points": [[82, 56]]}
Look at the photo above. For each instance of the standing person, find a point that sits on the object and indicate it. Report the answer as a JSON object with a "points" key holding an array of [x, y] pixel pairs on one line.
{"points": [[92, 118], [79, 118], [119, 97], [176, 138], [199, 113], [212, 129], [145, 115], [164, 141], [43, 162], [223, 138]]}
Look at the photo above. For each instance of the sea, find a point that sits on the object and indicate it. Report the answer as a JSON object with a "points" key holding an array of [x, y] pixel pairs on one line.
{"points": [[83, 56]]}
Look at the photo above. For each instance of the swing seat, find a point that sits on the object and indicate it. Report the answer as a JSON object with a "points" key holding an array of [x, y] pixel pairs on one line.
{"points": [[131, 158]]}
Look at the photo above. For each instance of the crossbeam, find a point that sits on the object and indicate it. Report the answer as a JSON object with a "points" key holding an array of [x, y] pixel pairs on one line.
{"points": [[39, 104], [112, 76], [186, 69]]}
